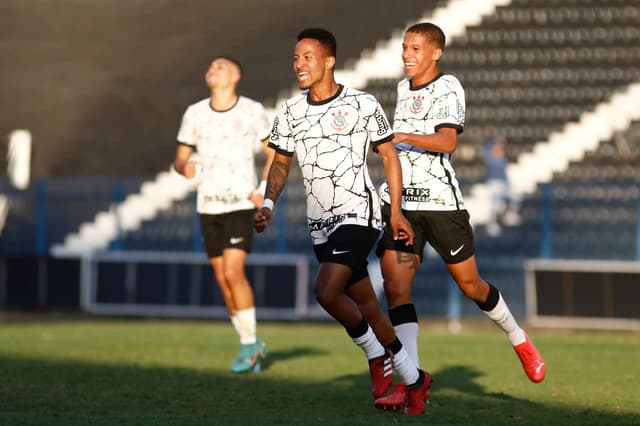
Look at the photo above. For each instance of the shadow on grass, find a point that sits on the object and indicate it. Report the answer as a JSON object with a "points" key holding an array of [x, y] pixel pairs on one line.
{"points": [[458, 399], [275, 356], [51, 392]]}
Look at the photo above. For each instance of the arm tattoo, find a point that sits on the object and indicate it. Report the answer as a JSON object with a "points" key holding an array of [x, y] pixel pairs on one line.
{"points": [[278, 174]]}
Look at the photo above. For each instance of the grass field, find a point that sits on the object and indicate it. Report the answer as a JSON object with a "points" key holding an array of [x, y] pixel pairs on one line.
{"points": [[150, 372]]}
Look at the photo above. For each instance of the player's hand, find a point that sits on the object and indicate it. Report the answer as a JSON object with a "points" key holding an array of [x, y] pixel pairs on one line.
{"points": [[191, 169], [261, 218], [256, 198], [402, 229], [399, 138]]}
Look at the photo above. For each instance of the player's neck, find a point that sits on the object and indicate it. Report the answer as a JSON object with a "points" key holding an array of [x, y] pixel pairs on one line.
{"points": [[323, 90], [425, 77], [223, 99]]}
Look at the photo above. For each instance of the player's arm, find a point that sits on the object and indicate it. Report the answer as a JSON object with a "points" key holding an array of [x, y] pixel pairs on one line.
{"points": [[257, 196], [181, 163], [444, 140], [269, 154], [393, 171], [276, 179]]}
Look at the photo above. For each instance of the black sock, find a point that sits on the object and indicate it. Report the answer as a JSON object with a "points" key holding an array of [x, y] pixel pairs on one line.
{"points": [[362, 328], [403, 314], [492, 299], [395, 346]]}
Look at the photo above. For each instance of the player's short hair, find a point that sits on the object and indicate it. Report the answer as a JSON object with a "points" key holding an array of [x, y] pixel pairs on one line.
{"points": [[232, 60], [326, 39], [432, 32]]}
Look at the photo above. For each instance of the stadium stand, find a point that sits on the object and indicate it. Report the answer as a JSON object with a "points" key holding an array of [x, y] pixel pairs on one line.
{"points": [[542, 73]]}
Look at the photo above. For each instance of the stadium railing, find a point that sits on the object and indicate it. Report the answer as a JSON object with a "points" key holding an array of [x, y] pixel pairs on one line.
{"points": [[583, 294]]}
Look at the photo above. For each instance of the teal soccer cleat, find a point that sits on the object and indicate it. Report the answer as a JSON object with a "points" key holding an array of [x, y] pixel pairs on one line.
{"points": [[249, 356]]}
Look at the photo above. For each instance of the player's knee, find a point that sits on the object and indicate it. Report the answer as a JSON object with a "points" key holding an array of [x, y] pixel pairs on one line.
{"points": [[220, 278], [325, 295], [397, 292], [471, 288], [234, 277]]}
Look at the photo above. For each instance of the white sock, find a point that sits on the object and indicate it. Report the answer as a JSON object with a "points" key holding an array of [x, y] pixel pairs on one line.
{"points": [[405, 367], [408, 335], [370, 344], [236, 323], [503, 318], [247, 325]]}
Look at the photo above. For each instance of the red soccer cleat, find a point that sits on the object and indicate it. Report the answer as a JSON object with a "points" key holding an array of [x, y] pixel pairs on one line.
{"points": [[531, 360], [418, 394], [396, 400], [381, 370]]}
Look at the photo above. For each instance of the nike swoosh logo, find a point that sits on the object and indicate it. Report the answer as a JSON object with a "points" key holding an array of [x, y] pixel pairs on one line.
{"points": [[339, 251], [236, 240], [456, 251], [539, 367]]}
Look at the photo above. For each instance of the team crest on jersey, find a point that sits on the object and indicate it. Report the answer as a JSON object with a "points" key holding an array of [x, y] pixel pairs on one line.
{"points": [[417, 104], [339, 122]]}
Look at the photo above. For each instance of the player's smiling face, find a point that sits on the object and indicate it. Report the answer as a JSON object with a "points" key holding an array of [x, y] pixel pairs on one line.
{"points": [[310, 62], [420, 58]]}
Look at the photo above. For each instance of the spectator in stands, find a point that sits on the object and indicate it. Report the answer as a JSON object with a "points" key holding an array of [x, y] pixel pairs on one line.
{"points": [[227, 130], [505, 203], [430, 112], [330, 127]]}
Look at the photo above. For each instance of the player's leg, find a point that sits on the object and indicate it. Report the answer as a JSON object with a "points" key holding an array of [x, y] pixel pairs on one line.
{"points": [[252, 349], [490, 301], [236, 238], [399, 264], [331, 294], [233, 271], [452, 237], [359, 289], [344, 289], [213, 237], [398, 271], [362, 293]]}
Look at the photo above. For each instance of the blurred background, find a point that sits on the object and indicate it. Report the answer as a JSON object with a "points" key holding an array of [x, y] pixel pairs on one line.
{"points": [[92, 96]]}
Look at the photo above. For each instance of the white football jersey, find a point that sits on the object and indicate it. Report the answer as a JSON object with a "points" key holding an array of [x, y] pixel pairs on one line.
{"points": [[226, 143], [428, 180], [332, 139]]}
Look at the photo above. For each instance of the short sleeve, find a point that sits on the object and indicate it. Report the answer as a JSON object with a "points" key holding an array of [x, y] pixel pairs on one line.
{"points": [[378, 126], [186, 133], [449, 108], [261, 125], [281, 138]]}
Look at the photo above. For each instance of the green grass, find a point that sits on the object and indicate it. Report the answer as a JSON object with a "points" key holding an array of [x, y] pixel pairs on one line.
{"points": [[137, 372]]}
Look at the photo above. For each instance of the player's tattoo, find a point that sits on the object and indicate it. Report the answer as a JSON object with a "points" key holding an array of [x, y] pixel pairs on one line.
{"points": [[410, 258], [277, 178]]}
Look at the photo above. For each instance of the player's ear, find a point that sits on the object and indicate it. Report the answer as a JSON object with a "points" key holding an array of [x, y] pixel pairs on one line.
{"points": [[330, 62], [437, 54], [237, 76]]}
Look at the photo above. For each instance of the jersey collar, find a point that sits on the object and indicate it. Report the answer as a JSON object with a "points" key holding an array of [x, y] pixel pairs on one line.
{"points": [[422, 86]]}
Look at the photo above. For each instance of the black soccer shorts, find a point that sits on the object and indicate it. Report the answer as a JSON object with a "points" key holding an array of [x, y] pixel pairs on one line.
{"points": [[227, 230], [349, 245], [448, 232]]}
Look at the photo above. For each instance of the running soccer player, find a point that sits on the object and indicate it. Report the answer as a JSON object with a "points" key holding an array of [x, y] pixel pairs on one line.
{"points": [[330, 128], [430, 112], [227, 130]]}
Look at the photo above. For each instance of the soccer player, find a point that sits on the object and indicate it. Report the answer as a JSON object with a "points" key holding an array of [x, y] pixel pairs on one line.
{"points": [[227, 130], [430, 112], [331, 129]]}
